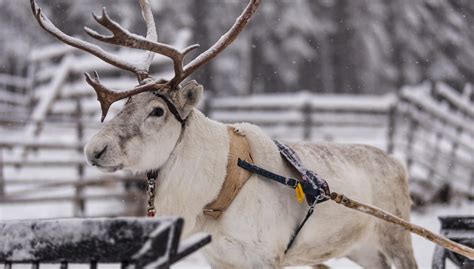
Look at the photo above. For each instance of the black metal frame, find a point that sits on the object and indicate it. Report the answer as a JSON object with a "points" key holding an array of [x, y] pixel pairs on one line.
{"points": [[459, 229], [132, 242]]}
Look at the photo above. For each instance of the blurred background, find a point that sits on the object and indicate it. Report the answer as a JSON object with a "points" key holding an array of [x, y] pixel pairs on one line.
{"points": [[393, 74]]}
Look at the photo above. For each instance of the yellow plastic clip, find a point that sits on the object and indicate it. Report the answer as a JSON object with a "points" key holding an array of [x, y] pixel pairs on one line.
{"points": [[299, 193]]}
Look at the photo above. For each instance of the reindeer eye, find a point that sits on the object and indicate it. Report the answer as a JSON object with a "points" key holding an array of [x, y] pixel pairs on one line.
{"points": [[157, 112]]}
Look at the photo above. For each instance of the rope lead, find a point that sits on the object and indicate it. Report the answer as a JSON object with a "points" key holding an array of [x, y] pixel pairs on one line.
{"points": [[386, 216]]}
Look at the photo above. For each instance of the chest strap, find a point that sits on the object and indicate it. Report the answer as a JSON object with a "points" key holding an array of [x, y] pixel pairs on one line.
{"points": [[235, 177]]}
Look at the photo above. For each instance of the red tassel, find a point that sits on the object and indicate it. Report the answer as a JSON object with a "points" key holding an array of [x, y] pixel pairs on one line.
{"points": [[150, 214]]}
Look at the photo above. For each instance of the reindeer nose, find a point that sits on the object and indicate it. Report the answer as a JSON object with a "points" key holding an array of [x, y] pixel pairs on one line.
{"points": [[100, 153]]}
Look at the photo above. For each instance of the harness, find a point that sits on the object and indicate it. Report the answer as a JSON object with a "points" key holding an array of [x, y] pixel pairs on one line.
{"points": [[235, 177], [312, 187]]}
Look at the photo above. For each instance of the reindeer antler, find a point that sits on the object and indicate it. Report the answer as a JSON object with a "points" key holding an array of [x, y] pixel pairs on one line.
{"points": [[121, 36]]}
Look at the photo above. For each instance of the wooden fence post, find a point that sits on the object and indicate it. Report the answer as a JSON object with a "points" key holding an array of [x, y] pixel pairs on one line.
{"points": [[412, 129], [79, 203], [436, 151], [2, 179], [392, 120], [306, 110], [207, 105], [438, 137], [468, 96]]}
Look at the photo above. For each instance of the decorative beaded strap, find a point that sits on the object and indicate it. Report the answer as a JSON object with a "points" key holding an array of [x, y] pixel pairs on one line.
{"points": [[150, 209]]}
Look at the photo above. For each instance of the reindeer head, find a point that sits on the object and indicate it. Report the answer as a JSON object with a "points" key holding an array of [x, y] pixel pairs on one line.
{"points": [[143, 135]]}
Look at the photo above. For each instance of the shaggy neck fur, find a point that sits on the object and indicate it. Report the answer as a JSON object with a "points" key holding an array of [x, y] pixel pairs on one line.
{"points": [[194, 173]]}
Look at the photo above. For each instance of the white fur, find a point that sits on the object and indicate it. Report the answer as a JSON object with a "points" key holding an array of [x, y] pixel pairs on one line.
{"points": [[255, 230]]}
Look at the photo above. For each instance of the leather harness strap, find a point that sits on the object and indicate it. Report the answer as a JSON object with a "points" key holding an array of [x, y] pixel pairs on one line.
{"points": [[235, 177]]}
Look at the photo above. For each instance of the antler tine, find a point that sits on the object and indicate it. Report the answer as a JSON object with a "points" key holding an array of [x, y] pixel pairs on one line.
{"points": [[107, 97], [224, 41], [151, 32], [121, 36], [95, 50]]}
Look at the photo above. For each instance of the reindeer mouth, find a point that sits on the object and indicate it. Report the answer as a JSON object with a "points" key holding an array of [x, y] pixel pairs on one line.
{"points": [[108, 168]]}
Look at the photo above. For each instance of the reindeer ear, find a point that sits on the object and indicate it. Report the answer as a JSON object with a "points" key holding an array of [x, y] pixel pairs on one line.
{"points": [[188, 97]]}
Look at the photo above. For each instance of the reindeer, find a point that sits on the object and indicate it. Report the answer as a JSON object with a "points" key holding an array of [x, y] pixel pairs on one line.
{"points": [[160, 129]]}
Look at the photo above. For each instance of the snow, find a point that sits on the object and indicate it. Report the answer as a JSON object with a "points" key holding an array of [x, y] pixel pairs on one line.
{"points": [[49, 52], [260, 117], [459, 101], [23, 238], [348, 102], [420, 98], [66, 231]]}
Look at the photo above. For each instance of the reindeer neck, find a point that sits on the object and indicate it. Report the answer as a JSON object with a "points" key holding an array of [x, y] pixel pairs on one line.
{"points": [[194, 174]]}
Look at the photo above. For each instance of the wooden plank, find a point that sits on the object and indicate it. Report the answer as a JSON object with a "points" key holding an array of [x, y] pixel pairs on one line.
{"points": [[434, 111], [427, 122], [49, 52], [442, 157], [326, 102], [68, 198], [13, 98], [34, 144], [37, 188], [2, 179], [68, 181], [456, 100], [391, 129], [45, 163], [42, 108], [14, 81]]}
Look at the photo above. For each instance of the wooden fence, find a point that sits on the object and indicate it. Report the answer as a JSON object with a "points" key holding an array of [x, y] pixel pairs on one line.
{"points": [[315, 117], [434, 134], [13, 97], [41, 159], [430, 127]]}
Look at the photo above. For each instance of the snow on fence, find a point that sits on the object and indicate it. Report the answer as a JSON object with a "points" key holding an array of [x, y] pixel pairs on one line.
{"points": [[130, 242], [434, 134], [13, 97], [316, 117]]}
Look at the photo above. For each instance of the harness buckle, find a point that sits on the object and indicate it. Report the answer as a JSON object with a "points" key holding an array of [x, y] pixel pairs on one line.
{"points": [[291, 182]]}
